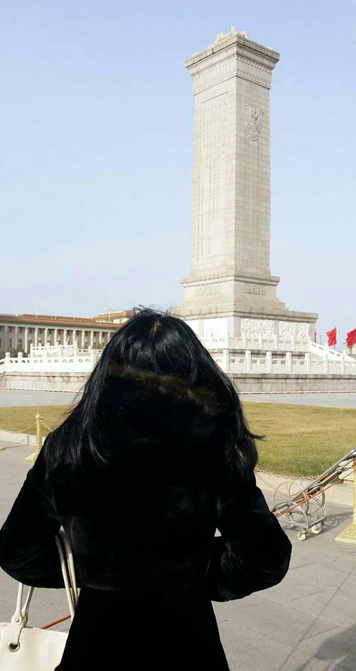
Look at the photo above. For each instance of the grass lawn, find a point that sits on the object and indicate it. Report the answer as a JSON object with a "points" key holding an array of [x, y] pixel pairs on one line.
{"points": [[299, 440], [20, 419]]}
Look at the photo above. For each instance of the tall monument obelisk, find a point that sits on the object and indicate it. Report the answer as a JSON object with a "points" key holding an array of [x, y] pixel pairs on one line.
{"points": [[230, 289]]}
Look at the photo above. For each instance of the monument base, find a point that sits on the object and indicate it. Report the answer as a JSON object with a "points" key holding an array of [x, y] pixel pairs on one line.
{"points": [[250, 323], [253, 383], [238, 305], [291, 384]]}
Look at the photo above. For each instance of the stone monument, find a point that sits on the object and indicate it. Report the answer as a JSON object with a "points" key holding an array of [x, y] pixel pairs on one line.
{"points": [[230, 290]]}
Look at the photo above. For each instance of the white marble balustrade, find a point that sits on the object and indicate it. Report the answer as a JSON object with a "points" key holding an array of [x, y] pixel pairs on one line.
{"points": [[318, 361], [285, 363], [52, 359]]}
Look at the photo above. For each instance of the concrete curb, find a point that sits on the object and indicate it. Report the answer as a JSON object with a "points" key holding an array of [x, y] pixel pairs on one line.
{"points": [[58, 391], [341, 493]]}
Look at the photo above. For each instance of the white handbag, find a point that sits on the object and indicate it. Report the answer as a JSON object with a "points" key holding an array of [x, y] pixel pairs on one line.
{"points": [[25, 648]]}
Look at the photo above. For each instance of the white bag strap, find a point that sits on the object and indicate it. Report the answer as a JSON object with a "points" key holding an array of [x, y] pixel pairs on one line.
{"points": [[20, 617], [21, 612], [66, 577], [70, 565]]}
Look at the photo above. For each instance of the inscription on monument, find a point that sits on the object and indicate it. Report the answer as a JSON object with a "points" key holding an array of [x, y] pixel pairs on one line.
{"points": [[212, 177]]}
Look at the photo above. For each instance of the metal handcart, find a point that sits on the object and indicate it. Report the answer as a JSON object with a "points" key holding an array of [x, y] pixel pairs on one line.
{"points": [[305, 506]]}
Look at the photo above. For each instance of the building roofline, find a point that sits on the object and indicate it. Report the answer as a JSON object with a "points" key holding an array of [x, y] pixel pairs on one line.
{"points": [[53, 321]]}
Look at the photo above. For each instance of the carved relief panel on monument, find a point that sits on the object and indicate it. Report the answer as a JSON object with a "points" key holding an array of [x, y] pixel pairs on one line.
{"points": [[235, 66], [215, 75], [254, 126], [215, 329], [298, 330], [212, 193], [256, 289], [257, 327]]}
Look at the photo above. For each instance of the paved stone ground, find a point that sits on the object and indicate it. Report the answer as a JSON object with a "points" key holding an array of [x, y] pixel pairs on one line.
{"points": [[12, 398], [15, 398], [332, 400], [307, 623]]}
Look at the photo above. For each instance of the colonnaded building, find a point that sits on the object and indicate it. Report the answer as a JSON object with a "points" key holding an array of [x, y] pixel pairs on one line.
{"points": [[21, 332]]}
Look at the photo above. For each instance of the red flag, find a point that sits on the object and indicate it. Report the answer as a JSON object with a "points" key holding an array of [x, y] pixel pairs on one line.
{"points": [[315, 334], [351, 338], [331, 337]]}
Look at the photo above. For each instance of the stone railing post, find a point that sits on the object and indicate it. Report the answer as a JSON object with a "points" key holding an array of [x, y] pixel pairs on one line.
{"points": [[248, 361], [7, 360], [326, 358], [326, 362], [269, 363], [289, 361], [343, 363], [275, 341], [59, 357], [244, 341], [307, 362]]}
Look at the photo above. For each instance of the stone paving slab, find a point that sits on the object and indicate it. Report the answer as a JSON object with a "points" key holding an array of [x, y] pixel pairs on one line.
{"points": [[19, 397], [13, 398], [337, 645], [307, 623]]}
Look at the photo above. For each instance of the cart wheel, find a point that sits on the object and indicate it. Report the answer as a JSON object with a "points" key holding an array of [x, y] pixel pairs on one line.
{"points": [[316, 528], [302, 535]]}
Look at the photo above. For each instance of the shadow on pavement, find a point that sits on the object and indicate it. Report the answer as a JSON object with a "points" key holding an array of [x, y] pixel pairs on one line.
{"points": [[339, 650]]}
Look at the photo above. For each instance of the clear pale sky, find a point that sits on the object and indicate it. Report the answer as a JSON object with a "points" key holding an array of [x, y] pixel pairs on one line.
{"points": [[96, 151]]}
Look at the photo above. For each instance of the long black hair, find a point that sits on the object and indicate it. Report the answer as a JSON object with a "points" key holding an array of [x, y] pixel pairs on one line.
{"points": [[154, 343]]}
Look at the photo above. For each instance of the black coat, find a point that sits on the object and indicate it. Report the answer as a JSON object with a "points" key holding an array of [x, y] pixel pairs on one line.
{"points": [[142, 531]]}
